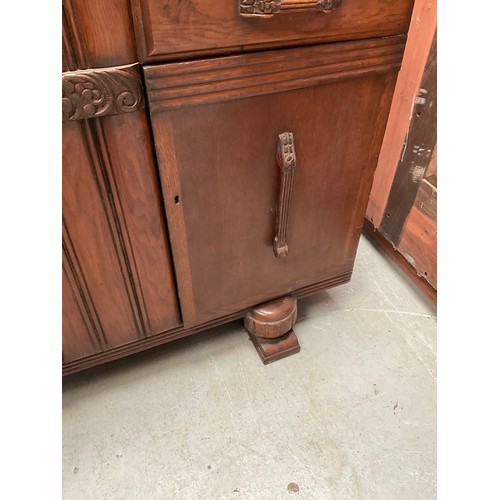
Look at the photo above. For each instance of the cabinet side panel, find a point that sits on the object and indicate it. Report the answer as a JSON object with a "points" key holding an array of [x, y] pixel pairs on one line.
{"points": [[97, 33], [78, 334], [89, 223], [135, 175]]}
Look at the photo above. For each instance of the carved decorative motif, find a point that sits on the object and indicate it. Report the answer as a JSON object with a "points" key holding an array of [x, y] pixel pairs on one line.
{"points": [[286, 161], [95, 93], [268, 8], [260, 7], [286, 151]]}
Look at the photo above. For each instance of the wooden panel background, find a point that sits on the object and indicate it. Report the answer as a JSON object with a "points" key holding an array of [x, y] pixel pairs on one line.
{"points": [[403, 202], [416, 152], [418, 244], [420, 37]]}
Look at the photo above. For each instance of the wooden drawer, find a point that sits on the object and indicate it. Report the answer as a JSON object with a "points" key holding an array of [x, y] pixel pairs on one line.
{"points": [[175, 29], [225, 195]]}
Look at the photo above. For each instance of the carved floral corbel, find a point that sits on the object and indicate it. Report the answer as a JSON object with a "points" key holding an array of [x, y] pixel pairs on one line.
{"points": [[100, 92]]}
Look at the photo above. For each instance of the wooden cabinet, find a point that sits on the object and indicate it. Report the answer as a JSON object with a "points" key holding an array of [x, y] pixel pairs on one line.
{"points": [[220, 184]]}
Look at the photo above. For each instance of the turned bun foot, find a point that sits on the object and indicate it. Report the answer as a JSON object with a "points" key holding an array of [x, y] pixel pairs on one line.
{"points": [[270, 329]]}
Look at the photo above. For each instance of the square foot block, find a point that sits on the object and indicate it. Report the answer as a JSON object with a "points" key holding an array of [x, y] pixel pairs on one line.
{"points": [[271, 350]]}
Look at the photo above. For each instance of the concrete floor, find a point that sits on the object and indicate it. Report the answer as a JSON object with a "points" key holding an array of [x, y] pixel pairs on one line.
{"points": [[352, 416]]}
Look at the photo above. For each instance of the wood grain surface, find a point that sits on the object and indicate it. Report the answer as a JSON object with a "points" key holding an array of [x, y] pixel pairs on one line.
{"points": [[419, 244], [215, 80], [96, 33], [426, 199], [377, 238]]}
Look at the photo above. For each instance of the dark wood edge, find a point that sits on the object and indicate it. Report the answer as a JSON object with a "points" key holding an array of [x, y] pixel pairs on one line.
{"points": [[172, 203], [177, 333], [141, 43], [416, 152], [378, 239]]}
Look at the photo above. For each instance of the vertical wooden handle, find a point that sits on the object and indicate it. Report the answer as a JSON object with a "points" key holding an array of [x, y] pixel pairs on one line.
{"points": [[267, 8], [285, 156]]}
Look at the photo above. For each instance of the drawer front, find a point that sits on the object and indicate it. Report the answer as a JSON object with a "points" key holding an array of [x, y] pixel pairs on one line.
{"points": [[175, 29], [233, 205]]}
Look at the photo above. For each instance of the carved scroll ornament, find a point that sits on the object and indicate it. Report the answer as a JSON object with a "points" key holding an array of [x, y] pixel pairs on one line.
{"points": [[267, 8], [95, 93]]}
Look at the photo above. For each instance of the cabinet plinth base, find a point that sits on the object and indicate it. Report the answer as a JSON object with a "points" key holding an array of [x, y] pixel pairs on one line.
{"points": [[270, 329], [273, 350]]}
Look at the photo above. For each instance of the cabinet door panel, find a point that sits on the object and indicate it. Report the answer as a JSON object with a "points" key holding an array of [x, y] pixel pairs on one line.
{"points": [[217, 157], [137, 183], [117, 259]]}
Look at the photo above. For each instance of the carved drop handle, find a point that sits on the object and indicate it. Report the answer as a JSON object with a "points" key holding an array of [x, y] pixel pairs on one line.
{"points": [[267, 8], [286, 159]]}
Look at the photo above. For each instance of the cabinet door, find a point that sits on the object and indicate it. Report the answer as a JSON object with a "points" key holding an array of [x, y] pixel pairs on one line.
{"points": [[118, 285], [216, 126]]}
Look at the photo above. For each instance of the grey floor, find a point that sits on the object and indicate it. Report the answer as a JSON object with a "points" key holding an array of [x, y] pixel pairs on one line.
{"points": [[352, 416]]}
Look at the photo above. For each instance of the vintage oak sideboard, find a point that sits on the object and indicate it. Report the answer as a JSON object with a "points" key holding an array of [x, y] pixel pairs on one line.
{"points": [[217, 162]]}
